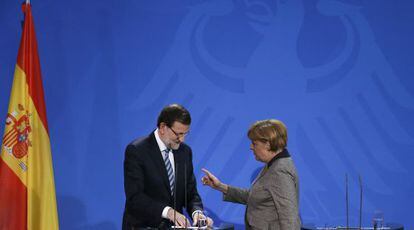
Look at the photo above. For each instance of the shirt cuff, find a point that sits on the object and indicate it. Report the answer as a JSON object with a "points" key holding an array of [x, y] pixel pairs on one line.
{"points": [[165, 212], [195, 212]]}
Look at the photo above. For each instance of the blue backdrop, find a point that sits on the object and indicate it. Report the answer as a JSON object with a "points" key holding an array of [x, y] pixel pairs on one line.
{"points": [[338, 73]]}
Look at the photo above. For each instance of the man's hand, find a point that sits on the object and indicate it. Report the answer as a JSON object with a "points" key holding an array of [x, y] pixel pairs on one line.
{"points": [[212, 181], [180, 220], [210, 222], [200, 216]]}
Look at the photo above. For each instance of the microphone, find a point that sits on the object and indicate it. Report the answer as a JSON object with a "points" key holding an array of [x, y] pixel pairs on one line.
{"points": [[347, 206]]}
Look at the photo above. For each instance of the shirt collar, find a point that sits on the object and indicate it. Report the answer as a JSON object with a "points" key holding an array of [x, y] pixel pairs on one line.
{"points": [[160, 143], [282, 154]]}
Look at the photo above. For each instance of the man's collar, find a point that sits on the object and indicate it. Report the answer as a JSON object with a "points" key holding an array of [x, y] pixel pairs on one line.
{"points": [[160, 143]]}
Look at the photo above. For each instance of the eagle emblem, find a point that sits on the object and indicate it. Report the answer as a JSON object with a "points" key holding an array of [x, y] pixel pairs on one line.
{"points": [[16, 140]]}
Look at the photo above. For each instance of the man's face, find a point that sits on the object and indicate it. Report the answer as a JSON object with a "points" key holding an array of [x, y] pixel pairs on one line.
{"points": [[175, 135]]}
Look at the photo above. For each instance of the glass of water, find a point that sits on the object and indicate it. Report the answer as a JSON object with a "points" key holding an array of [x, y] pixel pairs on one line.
{"points": [[378, 219]]}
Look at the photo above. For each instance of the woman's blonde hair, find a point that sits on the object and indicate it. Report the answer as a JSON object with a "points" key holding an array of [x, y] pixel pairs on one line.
{"points": [[272, 131]]}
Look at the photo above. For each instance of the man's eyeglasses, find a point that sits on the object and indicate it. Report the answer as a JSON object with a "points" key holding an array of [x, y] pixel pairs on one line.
{"points": [[179, 134]]}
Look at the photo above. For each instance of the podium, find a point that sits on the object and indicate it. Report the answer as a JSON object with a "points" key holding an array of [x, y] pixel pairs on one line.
{"points": [[221, 227], [388, 226]]}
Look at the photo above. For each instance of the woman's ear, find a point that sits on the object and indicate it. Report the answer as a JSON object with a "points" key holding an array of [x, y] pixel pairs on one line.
{"points": [[268, 146]]}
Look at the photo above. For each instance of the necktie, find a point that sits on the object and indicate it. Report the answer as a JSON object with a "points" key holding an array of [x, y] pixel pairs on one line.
{"points": [[169, 168]]}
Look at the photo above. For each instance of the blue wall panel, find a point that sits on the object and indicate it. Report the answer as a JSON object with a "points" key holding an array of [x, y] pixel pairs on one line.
{"points": [[338, 73]]}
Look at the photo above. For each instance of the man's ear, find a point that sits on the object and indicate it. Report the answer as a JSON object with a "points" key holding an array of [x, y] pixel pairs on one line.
{"points": [[161, 128]]}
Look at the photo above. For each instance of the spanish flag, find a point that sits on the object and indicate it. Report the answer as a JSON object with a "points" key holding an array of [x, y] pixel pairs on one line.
{"points": [[27, 187]]}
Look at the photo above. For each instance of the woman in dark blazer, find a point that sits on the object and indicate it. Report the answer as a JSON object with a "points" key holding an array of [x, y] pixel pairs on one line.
{"points": [[272, 202]]}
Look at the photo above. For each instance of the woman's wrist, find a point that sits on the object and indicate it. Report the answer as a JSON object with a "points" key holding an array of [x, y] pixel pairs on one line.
{"points": [[223, 187]]}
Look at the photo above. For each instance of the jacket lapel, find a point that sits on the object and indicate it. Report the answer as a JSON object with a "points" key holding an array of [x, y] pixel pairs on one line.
{"points": [[179, 169], [261, 174], [155, 155]]}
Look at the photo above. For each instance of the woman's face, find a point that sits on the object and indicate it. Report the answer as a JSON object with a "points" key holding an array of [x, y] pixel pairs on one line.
{"points": [[261, 151]]}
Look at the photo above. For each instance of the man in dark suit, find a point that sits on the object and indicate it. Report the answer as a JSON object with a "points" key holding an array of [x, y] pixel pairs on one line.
{"points": [[156, 168]]}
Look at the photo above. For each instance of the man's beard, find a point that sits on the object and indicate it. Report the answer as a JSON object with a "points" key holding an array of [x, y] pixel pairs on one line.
{"points": [[174, 145]]}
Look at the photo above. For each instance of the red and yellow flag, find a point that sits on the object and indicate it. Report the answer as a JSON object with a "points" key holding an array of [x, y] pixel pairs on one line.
{"points": [[27, 187]]}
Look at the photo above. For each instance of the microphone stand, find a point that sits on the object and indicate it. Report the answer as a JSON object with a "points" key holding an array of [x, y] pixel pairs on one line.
{"points": [[185, 191], [347, 201], [175, 192], [360, 202]]}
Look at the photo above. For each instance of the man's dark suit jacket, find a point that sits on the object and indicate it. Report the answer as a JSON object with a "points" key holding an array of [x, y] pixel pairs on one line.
{"points": [[147, 188]]}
